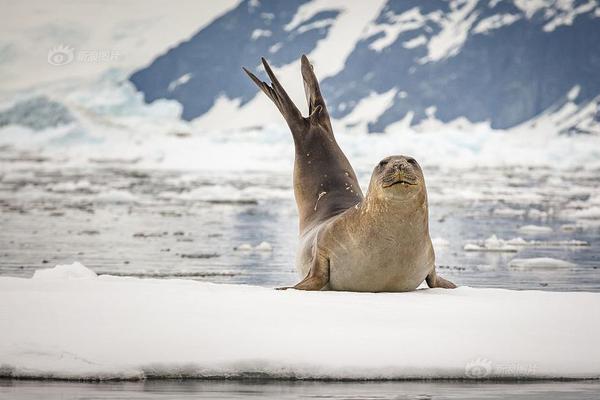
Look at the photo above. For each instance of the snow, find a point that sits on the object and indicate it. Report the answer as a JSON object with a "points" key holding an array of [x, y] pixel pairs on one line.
{"points": [[407, 21], [556, 13], [330, 54], [488, 24], [75, 325], [539, 263], [369, 109], [454, 31], [416, 42], [258, 33]]}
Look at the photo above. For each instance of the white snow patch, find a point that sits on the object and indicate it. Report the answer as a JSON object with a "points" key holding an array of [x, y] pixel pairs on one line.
{"points": [[407, 21], [454, 31], [573, 93], [369, 109], [415, 42], [258, 33], [494, 22], [567, 13], [330, 54], [183, 79], [539, 263], [129, 328]]}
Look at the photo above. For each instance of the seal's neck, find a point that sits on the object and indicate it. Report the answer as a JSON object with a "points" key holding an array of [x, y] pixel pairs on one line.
{"points": [[397, 211]]}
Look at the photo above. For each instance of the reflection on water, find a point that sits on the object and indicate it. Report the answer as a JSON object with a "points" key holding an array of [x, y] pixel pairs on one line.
{"points": [[27, 390]]}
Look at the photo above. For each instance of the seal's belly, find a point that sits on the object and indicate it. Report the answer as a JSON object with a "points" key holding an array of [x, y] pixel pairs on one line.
{"points": [[393, 268]]}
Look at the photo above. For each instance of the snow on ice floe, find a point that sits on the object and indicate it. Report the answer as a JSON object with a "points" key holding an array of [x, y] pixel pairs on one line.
{"points": [[128, 328], [539, 263]]}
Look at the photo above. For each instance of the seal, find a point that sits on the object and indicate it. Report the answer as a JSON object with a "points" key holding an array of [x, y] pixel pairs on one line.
{"points": [[350, 242]]}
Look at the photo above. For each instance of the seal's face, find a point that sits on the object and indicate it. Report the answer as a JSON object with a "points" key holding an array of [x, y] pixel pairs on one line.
{"points": [[397, 176]]}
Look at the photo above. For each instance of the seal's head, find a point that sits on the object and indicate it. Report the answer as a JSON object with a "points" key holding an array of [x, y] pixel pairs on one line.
{"points": [[397, 177]]}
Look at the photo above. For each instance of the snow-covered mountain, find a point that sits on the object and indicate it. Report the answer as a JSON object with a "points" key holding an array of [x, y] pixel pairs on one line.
{"points": [[385, 64]]}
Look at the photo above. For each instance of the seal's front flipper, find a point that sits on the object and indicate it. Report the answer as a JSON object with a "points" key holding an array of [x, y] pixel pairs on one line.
{"points": [[317, 278], [278, 95], [436, 281]]}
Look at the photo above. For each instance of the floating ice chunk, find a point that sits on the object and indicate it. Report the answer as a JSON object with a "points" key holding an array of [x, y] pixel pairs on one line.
{"points": [[535, 230], [65, 271], [129, 328], [264, 246], [539, 263], [592, 212], [492, 244]]}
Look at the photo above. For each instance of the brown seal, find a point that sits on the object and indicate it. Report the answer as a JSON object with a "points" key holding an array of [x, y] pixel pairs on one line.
{"points": [[374, 243]]}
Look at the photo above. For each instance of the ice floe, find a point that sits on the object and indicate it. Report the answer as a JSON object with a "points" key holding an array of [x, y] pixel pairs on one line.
{"points": [[539, 263], [109, 327], [495, 244], [535, 230]]}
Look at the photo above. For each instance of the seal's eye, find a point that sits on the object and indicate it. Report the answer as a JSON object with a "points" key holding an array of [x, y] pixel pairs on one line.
{"points": [[383, 163], [412, 161]]}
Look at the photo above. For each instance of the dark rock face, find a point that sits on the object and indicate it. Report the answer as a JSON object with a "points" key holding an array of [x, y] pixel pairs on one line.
{"points": [[36, 113], [214, 56], [506, 75]]}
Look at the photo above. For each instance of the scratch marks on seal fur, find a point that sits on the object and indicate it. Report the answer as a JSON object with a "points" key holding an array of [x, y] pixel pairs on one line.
{"points": [[319, 198]]}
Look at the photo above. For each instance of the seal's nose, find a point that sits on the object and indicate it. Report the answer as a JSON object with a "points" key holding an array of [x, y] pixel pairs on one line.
{"points": [[399, 165]]}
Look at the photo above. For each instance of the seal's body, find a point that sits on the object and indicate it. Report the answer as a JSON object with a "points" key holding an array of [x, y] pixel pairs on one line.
{"points": [[350, 242]]}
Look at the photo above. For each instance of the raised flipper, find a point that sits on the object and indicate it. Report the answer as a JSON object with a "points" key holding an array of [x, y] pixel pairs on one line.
{"points": [[322, 173], [316, 102], [317, 278], [435, 281], [278, 95]]}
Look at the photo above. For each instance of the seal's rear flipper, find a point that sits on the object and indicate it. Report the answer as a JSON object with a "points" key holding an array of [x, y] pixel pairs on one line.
{"points": [[316, 103], [436, 281], [278, 95]]}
